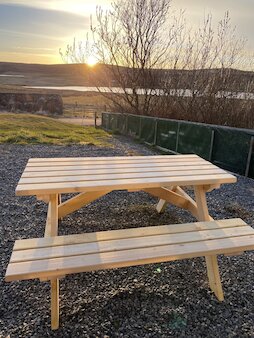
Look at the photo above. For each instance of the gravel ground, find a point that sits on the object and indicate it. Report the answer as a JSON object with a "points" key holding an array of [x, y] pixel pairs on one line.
{"points": [[160, 300]]}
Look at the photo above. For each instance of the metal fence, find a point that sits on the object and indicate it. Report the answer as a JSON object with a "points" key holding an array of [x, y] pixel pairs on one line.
{"points": [[229, 148]]}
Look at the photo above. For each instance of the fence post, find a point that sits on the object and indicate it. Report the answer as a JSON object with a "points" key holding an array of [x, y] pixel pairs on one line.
{"points": [[177, 137], [249, 156], [155, 132], [126, 126], [95, 119], [211, 146], [139, 130], [107, 121]]}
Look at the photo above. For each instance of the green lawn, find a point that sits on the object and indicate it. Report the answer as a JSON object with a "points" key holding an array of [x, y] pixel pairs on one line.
{"points": [[34, 129]]}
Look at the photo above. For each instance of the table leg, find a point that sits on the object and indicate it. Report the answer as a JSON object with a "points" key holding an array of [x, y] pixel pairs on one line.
{"points": [[161, 206], [211, 261], [50, 231], [52, 217]]}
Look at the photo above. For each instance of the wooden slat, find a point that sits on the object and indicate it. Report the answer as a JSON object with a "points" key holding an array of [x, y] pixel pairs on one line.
{"points": [[118, 170], [51, 188], [127, 244], [126, 233], [107, 158], [126, 176], [111, 165], [126, 160], [123, 258]]}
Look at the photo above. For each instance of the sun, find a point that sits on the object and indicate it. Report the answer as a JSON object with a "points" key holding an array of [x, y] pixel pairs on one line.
{"points": [[91, 60]]}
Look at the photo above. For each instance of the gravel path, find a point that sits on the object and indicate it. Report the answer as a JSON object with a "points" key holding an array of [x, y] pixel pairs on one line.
{"points": [[160, 300]]}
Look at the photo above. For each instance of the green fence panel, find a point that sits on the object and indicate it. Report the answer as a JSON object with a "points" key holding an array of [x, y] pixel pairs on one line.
{"points": [[251, 169], [166, 134], [104, 120], [121, 123], [147, 129], [113, 122], [133, 125], [231, 148], [194, 139]]}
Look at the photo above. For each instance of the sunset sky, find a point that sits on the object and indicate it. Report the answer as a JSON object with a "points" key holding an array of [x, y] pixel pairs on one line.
{"points": [[33, 31]]}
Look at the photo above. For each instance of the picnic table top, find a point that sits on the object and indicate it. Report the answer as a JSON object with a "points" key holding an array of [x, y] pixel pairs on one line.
{"points": [[44, 176]]}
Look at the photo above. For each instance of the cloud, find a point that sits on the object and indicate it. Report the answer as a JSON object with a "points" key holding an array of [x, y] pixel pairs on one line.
{"points": [[33, 28], [80, 7]]}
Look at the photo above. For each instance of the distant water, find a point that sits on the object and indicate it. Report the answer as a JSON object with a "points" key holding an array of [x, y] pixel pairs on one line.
{"points": [[140, 91], [8, 75]]}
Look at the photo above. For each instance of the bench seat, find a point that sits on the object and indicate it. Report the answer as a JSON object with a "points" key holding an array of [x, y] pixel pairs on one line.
{"points": [[54, 257], [57, 256]]}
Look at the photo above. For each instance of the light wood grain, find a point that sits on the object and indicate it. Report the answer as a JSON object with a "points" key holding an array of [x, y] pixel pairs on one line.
{"points": [[112, 165], [107, 158], [128, 243], [117, 170], [113, 259], [211, 261], [118, 184], [54, 303], [126, 233]]}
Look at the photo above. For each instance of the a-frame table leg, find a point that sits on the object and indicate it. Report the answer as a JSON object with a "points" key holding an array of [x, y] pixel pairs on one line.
{"points": [[211, 261], [52, 230]]}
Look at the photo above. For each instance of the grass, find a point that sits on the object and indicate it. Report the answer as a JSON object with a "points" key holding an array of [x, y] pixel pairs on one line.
{"points": [[33, 129]]}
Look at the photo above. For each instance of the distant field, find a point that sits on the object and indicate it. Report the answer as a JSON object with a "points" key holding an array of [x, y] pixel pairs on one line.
{"points": [[33, 129], [76, 104]]}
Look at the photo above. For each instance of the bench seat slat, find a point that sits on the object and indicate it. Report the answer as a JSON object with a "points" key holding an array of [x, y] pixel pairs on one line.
{"points": [[114, 259], [125, 233], [127, 244]]}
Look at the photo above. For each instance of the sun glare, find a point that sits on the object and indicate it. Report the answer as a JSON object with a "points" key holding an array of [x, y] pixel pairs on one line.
{"points": [[91, 60]]}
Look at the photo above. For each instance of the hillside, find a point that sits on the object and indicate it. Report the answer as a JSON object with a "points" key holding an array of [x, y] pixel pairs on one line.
{"points": [[83, 75]]}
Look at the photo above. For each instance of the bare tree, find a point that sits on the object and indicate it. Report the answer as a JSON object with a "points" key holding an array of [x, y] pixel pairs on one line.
{"points": [[132, 38], [153, 64]]}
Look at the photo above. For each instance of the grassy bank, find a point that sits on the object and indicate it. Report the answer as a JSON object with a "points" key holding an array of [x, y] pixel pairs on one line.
{"points": [[32, 129]]}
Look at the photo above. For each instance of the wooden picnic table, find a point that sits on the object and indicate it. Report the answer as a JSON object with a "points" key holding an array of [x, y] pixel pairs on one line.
{"points": [[162, 176]]}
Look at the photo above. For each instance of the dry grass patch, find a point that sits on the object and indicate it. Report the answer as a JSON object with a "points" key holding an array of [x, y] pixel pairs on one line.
{"points": [[33, 129]]}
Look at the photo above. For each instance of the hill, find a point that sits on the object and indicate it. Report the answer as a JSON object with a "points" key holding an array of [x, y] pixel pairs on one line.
{"points": [[84, 75]]}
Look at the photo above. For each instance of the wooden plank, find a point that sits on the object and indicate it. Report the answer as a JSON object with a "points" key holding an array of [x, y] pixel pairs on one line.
{"points": [[161, 206], [127, 244], [126, 233], [107, 158], [118, 170], [169, 196], [126, 176], [214, 276], [51, 188], [110, 165], [47, 232], [52, 217], [79, 201], [54, 304], [113, 161], [124, 258], [211, 261], [203, 214], [192, 205]]}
